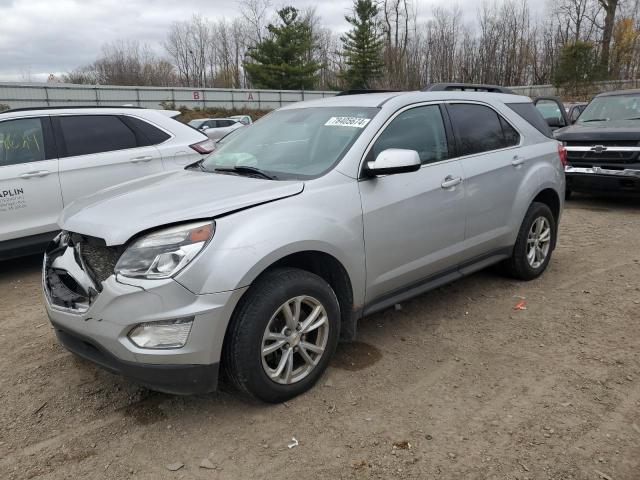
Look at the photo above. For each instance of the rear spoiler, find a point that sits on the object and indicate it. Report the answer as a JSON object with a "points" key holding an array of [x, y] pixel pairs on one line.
{"points": [[169, 113]]}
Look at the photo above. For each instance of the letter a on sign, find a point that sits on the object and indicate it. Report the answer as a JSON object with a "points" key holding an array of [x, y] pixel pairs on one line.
{"points": [[250, 96]]}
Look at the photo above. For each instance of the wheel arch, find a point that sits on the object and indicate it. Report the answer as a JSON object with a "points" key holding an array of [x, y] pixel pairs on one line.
{"points": [[330, 269], [551, 199]]}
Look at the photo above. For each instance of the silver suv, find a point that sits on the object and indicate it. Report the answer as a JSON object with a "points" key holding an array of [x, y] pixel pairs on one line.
{"points": [[258, 259]]}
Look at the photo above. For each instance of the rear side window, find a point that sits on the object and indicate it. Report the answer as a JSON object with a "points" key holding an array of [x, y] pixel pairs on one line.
{"points": [[420, 129], [533, 116], [147, 133], [480, 129], [87, 134]]}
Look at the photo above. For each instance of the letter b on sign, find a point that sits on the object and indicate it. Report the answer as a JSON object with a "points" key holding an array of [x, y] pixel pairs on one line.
{"points": [[196, 95]]}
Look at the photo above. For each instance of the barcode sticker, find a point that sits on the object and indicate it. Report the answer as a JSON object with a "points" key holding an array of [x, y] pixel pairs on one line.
{"points": [[354, 122]]}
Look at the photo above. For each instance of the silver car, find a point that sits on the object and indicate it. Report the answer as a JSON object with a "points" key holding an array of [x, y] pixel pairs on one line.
{"points": [[258, 259]]}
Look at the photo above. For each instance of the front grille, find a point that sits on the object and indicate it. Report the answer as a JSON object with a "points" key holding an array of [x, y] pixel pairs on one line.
{"points": [[604, 143], [614, 157], [100, 259], [592, 158]]}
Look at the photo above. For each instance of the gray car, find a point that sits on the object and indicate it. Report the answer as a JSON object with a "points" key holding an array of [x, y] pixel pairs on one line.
{"points": [[257, 260]]}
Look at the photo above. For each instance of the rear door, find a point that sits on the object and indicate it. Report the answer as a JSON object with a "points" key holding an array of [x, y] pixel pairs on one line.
{"points": [[98, 151], [494, 168], [30, 199]]}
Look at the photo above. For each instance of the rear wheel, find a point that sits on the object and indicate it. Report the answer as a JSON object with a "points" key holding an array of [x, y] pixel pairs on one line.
{"points": [[567, 194], [534, 244], [282, 335]]}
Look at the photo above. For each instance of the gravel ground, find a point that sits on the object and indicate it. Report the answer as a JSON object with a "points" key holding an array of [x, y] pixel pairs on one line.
{"points": [[456, 384]]}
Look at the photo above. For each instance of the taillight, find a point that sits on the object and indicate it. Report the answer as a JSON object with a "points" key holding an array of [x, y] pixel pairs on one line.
{"points": [[562, 153], [205, 147]]}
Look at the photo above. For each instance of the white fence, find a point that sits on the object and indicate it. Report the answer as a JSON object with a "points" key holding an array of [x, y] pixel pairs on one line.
{"points": [[587, 90], [19, 95]]}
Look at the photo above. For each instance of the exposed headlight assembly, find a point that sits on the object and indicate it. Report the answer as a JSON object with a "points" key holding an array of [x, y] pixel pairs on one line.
{"points": [[165, 252]]}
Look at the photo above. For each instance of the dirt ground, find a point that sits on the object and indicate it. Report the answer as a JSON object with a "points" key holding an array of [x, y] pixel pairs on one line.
{"points": [[456, 384]]}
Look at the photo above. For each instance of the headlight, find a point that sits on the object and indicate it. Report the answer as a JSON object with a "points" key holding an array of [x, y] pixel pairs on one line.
{"points": [[164, 253], [167, 334]]}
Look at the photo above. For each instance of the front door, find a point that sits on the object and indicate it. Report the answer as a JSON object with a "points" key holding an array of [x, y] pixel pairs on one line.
{"points": [[413, 222], [30, 199]]}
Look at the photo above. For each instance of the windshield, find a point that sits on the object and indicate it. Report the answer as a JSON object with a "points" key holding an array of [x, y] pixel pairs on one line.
{"points": [[616, 107], [196, 123], [299, 143]]}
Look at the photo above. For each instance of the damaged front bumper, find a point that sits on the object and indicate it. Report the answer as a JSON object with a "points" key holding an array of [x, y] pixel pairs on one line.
{"points": [[92, 318]]}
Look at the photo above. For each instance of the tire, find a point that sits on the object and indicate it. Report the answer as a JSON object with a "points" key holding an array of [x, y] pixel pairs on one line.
{"points": [[519, 265], [263, 307]]}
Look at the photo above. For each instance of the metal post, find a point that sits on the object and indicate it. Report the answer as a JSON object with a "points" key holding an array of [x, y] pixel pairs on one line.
{"points": [[95, 90], [138, 96], [46, 96]]}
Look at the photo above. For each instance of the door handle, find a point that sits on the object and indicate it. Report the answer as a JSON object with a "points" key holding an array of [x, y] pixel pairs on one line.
{"points": [[143, 159], [450, 182], [37, 173], [517, 161]]}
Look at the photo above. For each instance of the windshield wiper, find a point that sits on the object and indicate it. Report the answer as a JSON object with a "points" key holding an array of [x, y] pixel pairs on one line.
{"points": [[634, 118], [247, 169], [594, 120]]}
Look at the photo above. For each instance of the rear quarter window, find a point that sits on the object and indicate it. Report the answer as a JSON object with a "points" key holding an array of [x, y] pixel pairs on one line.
{"points": [[532, 115], [145, 131]]}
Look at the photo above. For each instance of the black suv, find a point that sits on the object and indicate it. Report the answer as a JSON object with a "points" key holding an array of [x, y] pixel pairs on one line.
{"points": [[603, 146]]}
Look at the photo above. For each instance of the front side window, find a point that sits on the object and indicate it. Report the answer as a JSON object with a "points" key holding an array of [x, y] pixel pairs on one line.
{"points": [[21, 141], [298, 143], [420, 129], [480, 129], [89, 134], [549, 109]]}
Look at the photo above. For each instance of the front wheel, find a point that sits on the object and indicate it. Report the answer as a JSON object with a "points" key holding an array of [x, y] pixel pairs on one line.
{"points": [[282, 335], [534, 244]]}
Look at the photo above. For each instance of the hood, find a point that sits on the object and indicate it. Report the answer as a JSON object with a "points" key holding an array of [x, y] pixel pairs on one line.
{"points": [[118, 213], [620, 130]]}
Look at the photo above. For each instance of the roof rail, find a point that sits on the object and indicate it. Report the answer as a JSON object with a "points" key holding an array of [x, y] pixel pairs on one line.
{"points": [[467, 87], [63, 107], [363, 91]]}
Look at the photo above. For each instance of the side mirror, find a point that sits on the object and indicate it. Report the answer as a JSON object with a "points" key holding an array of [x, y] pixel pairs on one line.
{"points": [[394, 160], [555, 122]]}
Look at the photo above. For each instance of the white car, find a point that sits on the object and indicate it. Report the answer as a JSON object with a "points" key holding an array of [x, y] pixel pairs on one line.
{"points": [[216, 128], [244, 119], [51, 156]]}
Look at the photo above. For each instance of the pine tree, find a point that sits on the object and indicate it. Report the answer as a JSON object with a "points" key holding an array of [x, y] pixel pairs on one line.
{"points": [[363, 46], [282, 61]]}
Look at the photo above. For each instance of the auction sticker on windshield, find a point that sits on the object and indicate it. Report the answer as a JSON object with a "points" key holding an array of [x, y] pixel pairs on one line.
{"points": [[355, 122]]}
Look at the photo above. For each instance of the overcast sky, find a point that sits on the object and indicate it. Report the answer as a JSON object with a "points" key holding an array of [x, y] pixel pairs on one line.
{"points": [[38, 37]]}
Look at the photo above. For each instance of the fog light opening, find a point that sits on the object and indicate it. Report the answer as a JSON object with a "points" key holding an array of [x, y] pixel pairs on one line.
{"points": [[161, 335]]}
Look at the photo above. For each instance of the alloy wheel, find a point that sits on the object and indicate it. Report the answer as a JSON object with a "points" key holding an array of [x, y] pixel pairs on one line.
{"points": [[295, 340], [538, 242]]}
